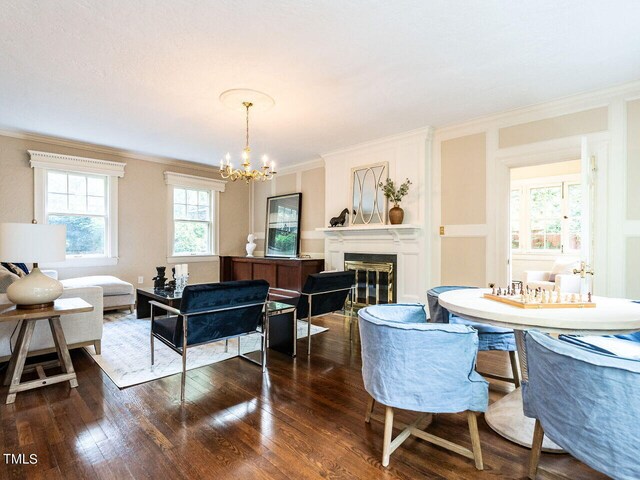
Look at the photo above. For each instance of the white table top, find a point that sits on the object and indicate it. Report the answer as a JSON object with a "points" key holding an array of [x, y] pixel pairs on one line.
{"points": [[611, 315]]}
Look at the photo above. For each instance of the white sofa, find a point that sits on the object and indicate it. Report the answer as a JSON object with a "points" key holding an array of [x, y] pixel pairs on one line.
{"points": [[116, 294], [565, 280], [82, 329]]}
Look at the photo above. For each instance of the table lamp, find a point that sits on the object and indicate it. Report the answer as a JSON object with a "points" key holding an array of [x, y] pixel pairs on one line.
{"points": [[33, 243]]}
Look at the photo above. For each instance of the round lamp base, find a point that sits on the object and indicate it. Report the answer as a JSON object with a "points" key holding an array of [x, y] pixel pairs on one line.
{"points": [[34, 290]]}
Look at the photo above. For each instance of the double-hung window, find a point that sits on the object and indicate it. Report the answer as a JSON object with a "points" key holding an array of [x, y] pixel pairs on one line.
{"points": [[79, 201], [82, 194], [193, 222]]}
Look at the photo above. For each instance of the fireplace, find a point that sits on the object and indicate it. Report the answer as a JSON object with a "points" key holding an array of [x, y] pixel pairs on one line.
{"points": [[375, 278]]}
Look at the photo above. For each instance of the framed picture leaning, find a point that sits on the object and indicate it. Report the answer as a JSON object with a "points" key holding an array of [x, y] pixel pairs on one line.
{"points": [[282, 235]]}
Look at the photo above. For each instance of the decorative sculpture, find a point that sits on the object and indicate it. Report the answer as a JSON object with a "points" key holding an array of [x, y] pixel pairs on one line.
{"points": [[160, 279], [251, 245], [340, 219]]}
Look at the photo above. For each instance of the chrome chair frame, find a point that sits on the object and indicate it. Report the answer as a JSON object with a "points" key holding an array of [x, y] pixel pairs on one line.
{"points": [[264, 332], [310, 302]]}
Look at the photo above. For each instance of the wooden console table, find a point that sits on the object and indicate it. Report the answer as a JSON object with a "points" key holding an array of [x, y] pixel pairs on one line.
{"points": [[28, 319], [285, 273]]}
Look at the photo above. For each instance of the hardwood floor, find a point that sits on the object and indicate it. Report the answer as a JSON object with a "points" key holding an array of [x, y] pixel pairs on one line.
{"points": [[304, 419]]}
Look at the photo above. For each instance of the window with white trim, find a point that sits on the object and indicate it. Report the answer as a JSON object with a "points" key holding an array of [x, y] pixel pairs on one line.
{"points": [[546, 217], [192, 222], [193, 219], [81, 193], [79, 201]]}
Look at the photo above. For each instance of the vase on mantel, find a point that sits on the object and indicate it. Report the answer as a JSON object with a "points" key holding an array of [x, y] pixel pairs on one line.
{"points": [[396, 215]]}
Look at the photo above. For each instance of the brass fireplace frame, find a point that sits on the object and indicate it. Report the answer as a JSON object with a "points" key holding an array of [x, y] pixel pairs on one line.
{"points": [[367, 267]]}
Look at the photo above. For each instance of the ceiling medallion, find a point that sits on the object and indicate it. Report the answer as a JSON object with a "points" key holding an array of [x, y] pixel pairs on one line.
{"points": [[246, 99]]}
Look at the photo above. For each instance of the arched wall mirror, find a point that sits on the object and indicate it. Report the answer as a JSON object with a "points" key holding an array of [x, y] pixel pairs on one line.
{"points": [[368, 203]]}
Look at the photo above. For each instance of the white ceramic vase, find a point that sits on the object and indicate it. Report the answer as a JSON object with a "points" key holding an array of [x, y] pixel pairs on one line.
{"points": [[34, 289]]}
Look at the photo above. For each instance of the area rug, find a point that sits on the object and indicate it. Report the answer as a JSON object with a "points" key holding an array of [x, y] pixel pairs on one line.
{"points": [[126, 357]]}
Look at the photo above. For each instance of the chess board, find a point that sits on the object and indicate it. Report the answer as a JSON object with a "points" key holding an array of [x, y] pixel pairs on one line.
{"points": [[515, 301]]}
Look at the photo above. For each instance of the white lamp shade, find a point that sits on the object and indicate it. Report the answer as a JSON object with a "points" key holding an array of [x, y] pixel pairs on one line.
{"points": [[29, 242]]}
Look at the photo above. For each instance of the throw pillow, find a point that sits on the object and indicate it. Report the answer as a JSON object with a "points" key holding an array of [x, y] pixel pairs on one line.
{"points": [[19, 269], [6, 279], [561, 267]]}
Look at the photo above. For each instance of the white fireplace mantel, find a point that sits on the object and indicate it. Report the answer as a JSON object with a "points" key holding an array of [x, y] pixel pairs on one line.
{"points": [[397, 233]]}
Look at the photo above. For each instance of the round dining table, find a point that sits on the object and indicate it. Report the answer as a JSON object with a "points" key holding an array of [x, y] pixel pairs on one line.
{"points": [[609, 316]]}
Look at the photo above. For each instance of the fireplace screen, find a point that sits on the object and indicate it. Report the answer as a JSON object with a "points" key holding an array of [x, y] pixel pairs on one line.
{"points": [[374, 282]]}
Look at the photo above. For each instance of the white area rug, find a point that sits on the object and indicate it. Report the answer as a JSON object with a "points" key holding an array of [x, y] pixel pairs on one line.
{"points": [[126, 356]]}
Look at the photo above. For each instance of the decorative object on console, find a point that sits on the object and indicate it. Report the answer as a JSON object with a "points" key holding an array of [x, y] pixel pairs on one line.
{"points": [[181, 273], [282, 236], [247, 99], [396, 214], [340, 219], [367, 198], [160, 279], [251, 244], [30, 242]]}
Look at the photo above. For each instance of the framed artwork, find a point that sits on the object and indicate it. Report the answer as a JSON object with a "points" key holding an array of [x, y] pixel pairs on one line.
{"points": [[368, 204], [282, 236]]}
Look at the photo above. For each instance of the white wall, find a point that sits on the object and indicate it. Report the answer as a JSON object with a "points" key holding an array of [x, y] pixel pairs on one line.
{"points": [[408, 156]]}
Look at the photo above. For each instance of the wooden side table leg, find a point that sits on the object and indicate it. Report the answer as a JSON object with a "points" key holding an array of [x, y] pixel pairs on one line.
{"points": [[11, 368], [19, 357], [62, 349]]}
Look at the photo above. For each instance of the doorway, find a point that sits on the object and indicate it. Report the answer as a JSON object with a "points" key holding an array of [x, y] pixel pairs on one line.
{"points": [[547, 213]]}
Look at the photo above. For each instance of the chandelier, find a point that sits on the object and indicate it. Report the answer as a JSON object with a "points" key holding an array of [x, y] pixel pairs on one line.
{"points": [[246, 172]]}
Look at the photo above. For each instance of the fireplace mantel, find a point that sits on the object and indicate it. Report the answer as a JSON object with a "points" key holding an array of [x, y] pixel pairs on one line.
{"points": [[395, 232]]}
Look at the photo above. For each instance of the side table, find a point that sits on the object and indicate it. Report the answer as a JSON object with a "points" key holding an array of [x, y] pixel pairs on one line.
{"points": [[28, 319]]}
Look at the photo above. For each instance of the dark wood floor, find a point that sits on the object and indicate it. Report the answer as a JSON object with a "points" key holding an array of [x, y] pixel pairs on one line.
{"points": [[301, 420]]}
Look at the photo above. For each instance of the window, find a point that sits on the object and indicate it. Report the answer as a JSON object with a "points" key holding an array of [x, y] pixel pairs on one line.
{"points": [[546, 217], [515, 219], [80, 202], [81, 193], [193, 222]]}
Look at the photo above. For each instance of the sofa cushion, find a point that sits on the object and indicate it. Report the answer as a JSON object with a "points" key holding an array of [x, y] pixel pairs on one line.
{"points": [[110, 284]]}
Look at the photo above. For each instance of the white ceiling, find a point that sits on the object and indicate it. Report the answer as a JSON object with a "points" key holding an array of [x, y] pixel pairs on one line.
{"points": [[146, 75]]}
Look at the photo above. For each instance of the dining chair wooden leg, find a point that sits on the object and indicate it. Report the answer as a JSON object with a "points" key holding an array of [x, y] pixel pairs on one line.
{"points": [[475, 439], [513, 357], [370, 404], [388, 430], [536, 448]]}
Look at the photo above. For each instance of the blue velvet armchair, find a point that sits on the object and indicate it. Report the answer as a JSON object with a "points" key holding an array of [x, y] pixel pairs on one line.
{"points": [[410, 364], [210, 313], [587, 402], [489, 337], [323, 293]]}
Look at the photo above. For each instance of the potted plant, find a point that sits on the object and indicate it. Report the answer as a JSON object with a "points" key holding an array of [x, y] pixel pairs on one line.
{"points": [[393, 194]]}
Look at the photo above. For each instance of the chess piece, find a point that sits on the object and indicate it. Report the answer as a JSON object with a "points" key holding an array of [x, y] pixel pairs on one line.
{"points": [[493, 288], [573, 298], [589, 297], [499, 291], [558, 297]]}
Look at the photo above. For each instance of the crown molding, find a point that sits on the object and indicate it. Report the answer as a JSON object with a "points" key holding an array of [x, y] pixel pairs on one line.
{"points": [[562, 106], [103, 149], [302, 166], [78, 164], [426, 132]]}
